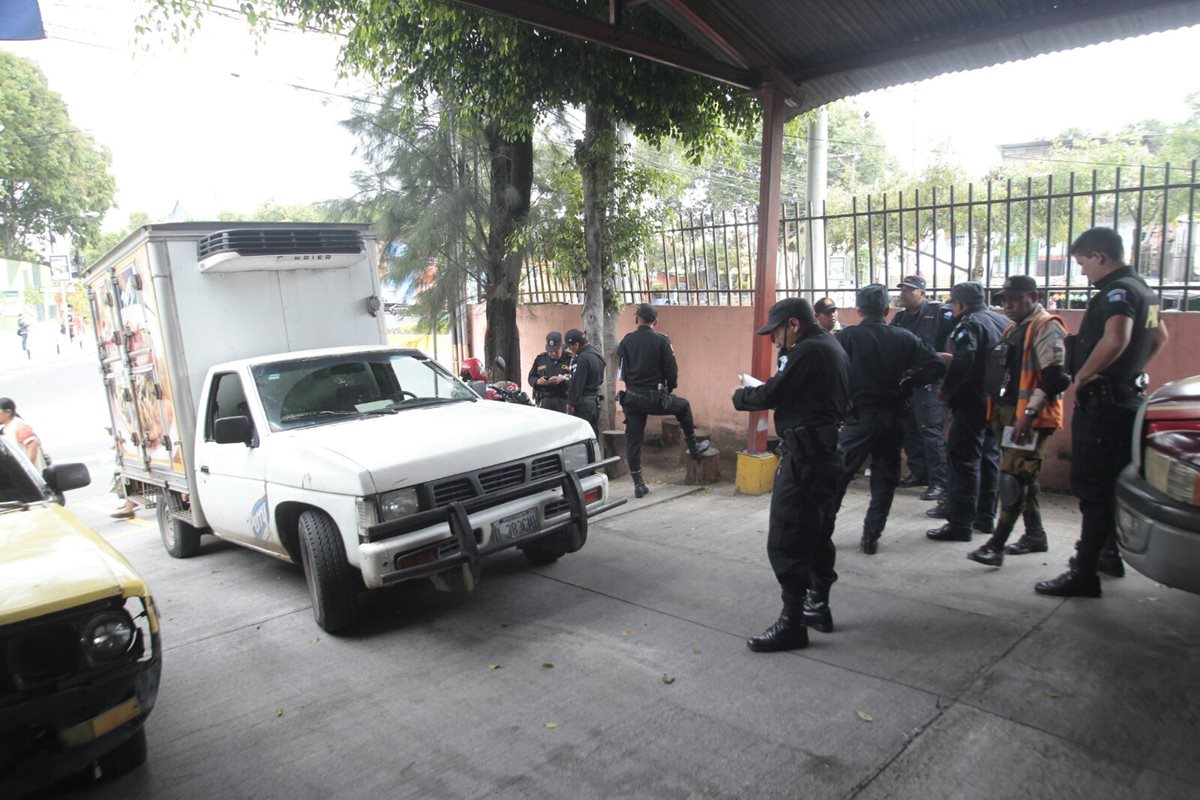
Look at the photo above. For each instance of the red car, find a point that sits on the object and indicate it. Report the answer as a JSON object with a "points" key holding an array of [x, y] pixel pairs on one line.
{"points": [[1158, 495]]}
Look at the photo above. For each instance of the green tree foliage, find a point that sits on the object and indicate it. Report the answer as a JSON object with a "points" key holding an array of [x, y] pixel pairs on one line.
{"points": [[53, 177]]}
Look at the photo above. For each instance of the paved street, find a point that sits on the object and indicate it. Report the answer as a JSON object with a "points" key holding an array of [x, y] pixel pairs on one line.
{"points": [[621, 671]]}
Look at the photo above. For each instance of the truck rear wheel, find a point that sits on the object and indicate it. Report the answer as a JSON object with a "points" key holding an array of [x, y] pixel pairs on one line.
{"points": [[180, 539], [332, 583]]}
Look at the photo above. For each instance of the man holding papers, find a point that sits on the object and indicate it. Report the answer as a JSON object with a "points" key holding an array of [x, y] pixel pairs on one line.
{"points": [[1025, 376]]}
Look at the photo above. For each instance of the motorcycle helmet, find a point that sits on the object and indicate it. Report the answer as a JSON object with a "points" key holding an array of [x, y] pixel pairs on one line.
{"points": [[472, 370]]}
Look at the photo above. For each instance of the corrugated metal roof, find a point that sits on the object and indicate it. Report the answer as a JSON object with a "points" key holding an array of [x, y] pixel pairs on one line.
{"points": [[828, 47]]}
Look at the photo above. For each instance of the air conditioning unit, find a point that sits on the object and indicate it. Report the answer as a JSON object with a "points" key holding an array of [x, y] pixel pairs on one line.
{"points": [[269, 249]]}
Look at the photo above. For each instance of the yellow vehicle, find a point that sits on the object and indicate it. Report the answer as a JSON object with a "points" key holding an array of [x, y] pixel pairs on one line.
{"points": [[79, 647]]}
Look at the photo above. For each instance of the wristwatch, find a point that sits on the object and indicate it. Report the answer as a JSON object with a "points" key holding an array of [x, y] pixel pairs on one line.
{"points": [[1031, 412]]}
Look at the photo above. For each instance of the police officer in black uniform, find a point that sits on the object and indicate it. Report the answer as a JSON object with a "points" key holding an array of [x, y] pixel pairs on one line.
{"points": [[550, 375], [925, 428], [810, 396], [587, 376], [648, 368], [973, 452], [1120, 334], [886, 364]]}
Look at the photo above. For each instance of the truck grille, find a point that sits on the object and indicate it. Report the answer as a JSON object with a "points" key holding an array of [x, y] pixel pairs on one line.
{"points": [[493, 479], [280, 241]]}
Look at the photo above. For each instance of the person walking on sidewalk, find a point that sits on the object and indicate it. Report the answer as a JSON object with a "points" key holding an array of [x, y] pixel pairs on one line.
{"points": [[587, 377], [23, 332], [974, 454], [1026, 375], [1120, 334], [646, 363], [810, 396], [886, 362], [925, 426], [20, 432]]}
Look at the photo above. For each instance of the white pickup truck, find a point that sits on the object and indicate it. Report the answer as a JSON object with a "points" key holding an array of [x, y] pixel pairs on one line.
{"points": [[366, 464]]}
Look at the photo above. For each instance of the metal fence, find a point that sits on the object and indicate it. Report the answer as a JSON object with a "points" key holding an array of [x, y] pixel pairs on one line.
{"points": [[983, 232]]}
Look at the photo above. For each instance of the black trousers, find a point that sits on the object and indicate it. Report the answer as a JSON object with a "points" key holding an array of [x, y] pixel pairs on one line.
{"points": [[1101, 446], [973, 457], [878, 434], [589, 409], [925, 436], [799, 533], [640, 404], [553, 402]]}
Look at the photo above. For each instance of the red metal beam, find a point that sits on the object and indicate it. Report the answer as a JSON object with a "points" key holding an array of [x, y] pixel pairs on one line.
{"points": [[761, 363], [594, 30]]}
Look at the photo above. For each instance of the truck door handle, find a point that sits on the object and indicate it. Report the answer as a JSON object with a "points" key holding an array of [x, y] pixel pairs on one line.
{"points": [[204, 469]]}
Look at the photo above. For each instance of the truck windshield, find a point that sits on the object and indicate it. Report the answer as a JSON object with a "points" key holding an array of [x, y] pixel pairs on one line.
{"points": [[314, 391]]}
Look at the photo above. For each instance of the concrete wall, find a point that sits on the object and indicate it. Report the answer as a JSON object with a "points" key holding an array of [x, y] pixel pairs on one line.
{"points": [[713, 344]]}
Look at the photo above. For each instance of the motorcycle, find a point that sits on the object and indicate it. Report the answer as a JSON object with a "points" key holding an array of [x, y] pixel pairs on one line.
{"points": [[504, 391]]}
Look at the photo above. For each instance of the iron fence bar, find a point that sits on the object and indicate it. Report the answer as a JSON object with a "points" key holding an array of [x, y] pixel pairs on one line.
{"points": [[1138, 229], [953, 239], [1028, 222], [825, 250], [1162, 231], [1007, 229], [1070, 262], [933, 228], [1191, 227], [1049, 231], [987, 264], [1117, 203], [854, 238], [970, 227]]}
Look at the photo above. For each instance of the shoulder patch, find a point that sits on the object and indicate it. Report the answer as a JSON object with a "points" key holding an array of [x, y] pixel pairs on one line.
{"points": [[961, 334], [1117, 296], [948, 314]]}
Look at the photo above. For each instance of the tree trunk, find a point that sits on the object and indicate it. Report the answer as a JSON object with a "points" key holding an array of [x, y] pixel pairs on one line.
{"points": [[511, 176], [596, 157]]}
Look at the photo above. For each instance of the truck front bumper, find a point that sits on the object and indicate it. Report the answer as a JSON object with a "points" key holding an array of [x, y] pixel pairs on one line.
{"points": [[463, 532]]}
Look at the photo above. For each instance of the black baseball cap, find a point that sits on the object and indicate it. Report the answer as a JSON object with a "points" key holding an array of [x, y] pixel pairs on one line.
{"points": [[785, 309], [553, 341], [575, 336], [1017, 284], [647, 312], [915, 281], [824, 306], [873, 297], [969, 293]]}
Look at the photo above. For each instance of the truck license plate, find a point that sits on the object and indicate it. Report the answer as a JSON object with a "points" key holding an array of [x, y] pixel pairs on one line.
{"points": [[514, 527]]}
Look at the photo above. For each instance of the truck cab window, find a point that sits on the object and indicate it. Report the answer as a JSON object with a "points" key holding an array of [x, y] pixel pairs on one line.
{"points": [[228, 399]]}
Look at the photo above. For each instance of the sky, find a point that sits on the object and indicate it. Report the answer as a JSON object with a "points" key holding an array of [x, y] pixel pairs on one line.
{"points": [[224, 125]]}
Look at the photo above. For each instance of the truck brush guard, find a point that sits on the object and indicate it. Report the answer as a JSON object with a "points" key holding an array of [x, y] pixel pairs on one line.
{"points": [[458, 516]]}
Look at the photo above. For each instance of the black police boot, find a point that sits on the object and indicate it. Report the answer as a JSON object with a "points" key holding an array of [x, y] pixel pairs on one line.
{"points": [[788, 633], [696, 449], [937, 512], [985, 526], [816, 610], [1032, 541], [910, 480], [640, 489], [1110, 563], [948, 533], [933, 493], [989, 555], [1071, 583], [869, 544]]}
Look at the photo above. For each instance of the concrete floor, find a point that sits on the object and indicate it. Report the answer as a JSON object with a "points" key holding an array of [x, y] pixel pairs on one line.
{"points": [[621, 671]]}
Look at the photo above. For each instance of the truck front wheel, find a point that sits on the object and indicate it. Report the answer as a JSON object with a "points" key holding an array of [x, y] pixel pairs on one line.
{"points": [[332, 583], [181, 539]]}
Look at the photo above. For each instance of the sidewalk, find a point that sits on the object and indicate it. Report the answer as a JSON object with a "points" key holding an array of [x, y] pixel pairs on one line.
{"points": [[46, 346], [971, 684]]}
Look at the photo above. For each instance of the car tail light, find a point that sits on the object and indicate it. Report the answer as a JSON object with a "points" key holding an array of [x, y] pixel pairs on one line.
{"points": [[1172, 463]]}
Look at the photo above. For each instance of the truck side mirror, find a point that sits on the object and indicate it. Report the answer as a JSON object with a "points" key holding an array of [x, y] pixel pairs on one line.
{"points": [[64, 477], [233, 430]]}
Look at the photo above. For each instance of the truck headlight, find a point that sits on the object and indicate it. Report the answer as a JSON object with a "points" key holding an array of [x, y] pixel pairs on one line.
{"points": [[575, 456], [398, 504], [107, 635]]}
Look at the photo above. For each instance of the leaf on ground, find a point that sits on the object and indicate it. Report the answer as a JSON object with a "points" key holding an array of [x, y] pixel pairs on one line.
{"points": [[1052, 695], [1151, 599], [279, 712], [314, 641], [626, 632], [668, 679], [503, 624], [551, 725], [864, 716], [695, 651], [494, 666], [547, 665]]}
